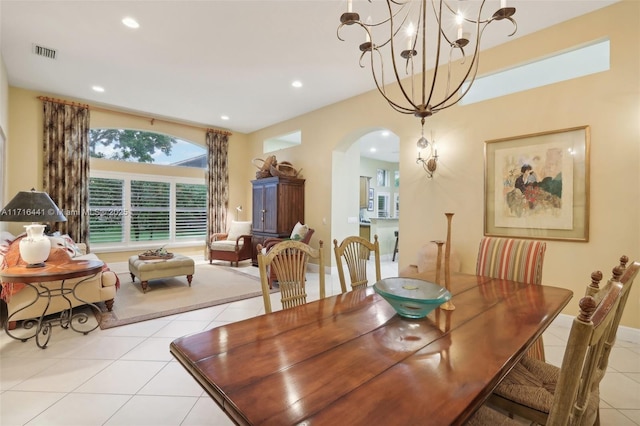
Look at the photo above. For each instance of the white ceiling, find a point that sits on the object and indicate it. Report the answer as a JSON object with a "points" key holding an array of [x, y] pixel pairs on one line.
{"points": [[197, 60]]}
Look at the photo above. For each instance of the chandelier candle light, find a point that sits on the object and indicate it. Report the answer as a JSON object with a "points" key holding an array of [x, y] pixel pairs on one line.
{"points": [[425, 30]]}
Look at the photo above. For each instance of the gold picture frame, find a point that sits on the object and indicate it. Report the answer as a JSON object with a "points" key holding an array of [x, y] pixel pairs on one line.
{"points": [[537, 185]]}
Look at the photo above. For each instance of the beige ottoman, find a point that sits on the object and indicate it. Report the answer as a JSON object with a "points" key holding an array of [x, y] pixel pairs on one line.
{"points": [[147, 270]]}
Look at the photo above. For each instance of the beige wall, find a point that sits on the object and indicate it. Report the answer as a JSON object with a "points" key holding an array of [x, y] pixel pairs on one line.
{"points": [[609, 102], [24, 146], [4, 120], [4, 96]]}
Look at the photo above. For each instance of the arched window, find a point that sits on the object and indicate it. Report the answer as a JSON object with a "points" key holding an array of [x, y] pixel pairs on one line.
{"points": [[145, 147]]}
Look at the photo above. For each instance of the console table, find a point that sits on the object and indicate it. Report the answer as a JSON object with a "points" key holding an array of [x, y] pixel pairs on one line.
{"points": [[35, 277]]}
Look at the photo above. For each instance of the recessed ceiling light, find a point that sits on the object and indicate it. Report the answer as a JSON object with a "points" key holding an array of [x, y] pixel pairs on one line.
{"points": [[372, 149], [385, 133], [130, 22], [297, 84], [98, 88], [224, 117]]}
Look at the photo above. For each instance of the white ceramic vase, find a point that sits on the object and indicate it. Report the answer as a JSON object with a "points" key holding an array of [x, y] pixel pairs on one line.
{"points": [[35, 247]]}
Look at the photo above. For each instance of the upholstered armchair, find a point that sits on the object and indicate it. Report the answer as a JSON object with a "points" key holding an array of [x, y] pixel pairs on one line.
{"points": [[232, 246]]}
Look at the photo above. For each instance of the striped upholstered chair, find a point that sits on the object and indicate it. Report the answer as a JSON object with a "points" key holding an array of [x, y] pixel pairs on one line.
{"points": [[517, 260]]}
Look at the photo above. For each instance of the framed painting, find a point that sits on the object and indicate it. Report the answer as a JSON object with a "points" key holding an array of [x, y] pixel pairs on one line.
{"points": [[370, 204], [537, 185]]}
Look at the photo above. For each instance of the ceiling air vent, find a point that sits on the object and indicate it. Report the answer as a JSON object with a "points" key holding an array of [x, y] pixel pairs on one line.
{"points": [[44, 51]]}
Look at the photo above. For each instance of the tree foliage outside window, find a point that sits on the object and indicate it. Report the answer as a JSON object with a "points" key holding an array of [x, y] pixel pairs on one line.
{"points": [[128, 145]]}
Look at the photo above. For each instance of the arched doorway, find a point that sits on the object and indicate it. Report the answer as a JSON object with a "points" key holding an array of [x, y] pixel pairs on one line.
{"points": [[374, 155]]}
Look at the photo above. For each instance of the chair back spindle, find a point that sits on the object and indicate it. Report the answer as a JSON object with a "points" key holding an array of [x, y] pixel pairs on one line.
{"points": [[288, 260], [355, 251]]}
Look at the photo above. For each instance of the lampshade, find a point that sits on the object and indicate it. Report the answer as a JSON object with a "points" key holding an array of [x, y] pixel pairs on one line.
{"points": [[31, 206]]}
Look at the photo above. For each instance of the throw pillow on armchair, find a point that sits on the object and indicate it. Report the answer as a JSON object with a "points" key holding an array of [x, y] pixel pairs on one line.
{"points": [[299, 232]]}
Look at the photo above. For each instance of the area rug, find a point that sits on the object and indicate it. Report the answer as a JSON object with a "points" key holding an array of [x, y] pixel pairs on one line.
{"points": [[211, 285]]}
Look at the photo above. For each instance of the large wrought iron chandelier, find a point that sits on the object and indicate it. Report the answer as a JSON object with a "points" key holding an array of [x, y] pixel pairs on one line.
{"points": [[405, 39]]}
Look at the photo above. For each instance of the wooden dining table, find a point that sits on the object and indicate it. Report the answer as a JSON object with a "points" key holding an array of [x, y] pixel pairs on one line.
{"points": [[351, 360]]}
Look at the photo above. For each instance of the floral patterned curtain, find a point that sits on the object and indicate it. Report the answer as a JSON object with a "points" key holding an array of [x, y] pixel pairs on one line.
{"points": [[217, 181], [66, 165]]}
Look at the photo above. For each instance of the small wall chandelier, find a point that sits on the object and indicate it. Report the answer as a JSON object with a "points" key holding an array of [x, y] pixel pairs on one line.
{"points": [[404, 34], [428, 160]]}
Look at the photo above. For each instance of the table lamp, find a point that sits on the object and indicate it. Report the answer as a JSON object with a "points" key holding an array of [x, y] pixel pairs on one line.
{"points": [[33, 206]]}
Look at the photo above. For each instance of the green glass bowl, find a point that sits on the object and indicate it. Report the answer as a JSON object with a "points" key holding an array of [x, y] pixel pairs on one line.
{"points": [[411, 298]]}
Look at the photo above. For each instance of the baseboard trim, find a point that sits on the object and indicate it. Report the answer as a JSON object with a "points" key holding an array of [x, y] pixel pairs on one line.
{"points": [[627, 334]]}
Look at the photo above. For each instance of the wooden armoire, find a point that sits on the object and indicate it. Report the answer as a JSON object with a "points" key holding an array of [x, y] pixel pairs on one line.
{"points": [[277, 205]]}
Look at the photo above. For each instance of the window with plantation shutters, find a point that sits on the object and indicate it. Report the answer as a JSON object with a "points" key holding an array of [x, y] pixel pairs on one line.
{"points": [[106, 210], [145, 210], [383, 204], [150, 206], [191, 210]]}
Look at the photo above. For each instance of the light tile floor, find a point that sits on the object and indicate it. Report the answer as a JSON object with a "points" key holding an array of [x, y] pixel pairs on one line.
{"points": [[126, 375]]}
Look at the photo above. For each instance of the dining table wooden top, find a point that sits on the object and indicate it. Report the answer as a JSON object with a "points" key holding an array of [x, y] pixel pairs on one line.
{"points": [[350, 359]]}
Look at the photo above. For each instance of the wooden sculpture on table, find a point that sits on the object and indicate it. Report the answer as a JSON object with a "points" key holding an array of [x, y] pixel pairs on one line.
{"points": [[438, 260], [448, 305]]}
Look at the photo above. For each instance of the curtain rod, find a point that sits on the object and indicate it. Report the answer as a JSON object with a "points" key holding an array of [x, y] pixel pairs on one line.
{"points": [[152, 120], [220, 132], [63, 102]]}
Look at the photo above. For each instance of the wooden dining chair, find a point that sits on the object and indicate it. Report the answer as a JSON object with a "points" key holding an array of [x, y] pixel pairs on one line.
{"points": [[516, 260], [272, 241], [288, 260], [626, 275], [569, 395], [355, 251]]}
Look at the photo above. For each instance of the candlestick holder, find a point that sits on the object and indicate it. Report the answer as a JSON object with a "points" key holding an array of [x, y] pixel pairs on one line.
{"points": [[438, 260], [448, 305]]}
